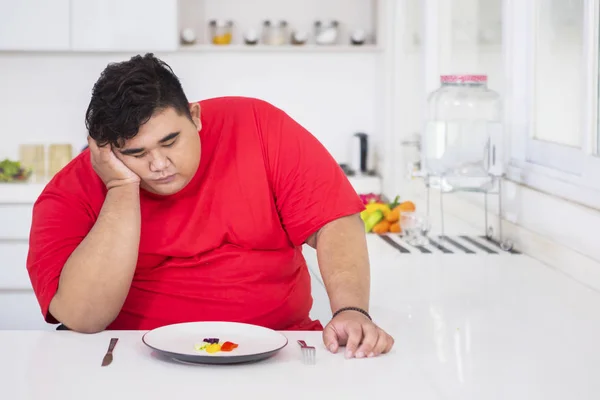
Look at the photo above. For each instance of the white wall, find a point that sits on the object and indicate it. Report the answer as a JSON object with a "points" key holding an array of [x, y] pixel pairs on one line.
{"points": [[43, 96]]}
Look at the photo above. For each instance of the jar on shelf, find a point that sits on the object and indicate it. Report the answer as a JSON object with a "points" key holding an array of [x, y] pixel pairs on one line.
{"points": [[358, 37], [221, 31], [187, 36], [251, 37], [299, 38], [463, 140], [326, 32], [275, 33]]}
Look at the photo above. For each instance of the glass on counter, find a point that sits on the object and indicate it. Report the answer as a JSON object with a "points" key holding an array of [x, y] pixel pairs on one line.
{"points": [[221, 31], [415, 228]]}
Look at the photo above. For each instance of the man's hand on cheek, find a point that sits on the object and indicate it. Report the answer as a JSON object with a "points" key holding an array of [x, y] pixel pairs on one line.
{"points": [[360, 336], [109, 168]]}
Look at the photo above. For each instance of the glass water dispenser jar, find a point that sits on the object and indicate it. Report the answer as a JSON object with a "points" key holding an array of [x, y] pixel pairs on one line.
{"points": [[462, 143]]}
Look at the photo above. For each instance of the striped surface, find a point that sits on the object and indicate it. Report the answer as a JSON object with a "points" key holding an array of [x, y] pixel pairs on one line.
{"points": [[461, 244]]}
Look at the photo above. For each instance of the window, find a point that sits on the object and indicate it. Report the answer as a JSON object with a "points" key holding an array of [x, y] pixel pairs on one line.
{"points": [[552, 105]]}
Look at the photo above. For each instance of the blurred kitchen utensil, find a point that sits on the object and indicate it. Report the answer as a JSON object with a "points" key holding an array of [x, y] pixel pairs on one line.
{"points": [[308, 353], [108, 357]]}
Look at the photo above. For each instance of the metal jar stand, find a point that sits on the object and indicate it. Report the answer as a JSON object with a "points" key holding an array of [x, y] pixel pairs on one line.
{"points": [[504, 243]]}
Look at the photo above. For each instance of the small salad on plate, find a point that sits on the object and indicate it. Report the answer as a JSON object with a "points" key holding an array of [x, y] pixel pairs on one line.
{"points": [[212, 345]]}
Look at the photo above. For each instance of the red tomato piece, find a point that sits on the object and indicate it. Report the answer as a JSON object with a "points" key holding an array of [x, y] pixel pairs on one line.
{"points": [[228, 346]]}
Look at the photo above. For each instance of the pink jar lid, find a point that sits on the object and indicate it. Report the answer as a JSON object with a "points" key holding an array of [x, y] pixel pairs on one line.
{"points": [[463, 78]]}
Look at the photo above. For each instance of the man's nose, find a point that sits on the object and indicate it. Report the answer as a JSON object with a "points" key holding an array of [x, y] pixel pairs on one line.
{"points": [[158, 162]]}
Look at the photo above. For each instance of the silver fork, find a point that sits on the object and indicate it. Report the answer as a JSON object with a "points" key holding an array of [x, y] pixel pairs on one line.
{"points": [[308, 352]]}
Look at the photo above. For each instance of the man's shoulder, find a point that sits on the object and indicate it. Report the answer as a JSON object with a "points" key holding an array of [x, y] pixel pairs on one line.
{"points": [[234, 104], [76, 180]]}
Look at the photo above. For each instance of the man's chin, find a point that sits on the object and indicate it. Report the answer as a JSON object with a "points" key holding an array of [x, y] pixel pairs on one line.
{"points": [[165, 189]]}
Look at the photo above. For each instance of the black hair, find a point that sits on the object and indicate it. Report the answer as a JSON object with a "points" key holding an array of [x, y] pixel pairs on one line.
{"points": [[127, 94]]}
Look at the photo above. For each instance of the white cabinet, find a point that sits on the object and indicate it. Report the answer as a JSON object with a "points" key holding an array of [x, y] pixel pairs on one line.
{"points": [[34, 25], [124, 25], [13, 265], [20, 310], [15, 221]]}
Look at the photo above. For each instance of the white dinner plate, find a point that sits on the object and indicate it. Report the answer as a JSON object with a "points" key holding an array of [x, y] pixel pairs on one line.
{"points": [[178, 341]]}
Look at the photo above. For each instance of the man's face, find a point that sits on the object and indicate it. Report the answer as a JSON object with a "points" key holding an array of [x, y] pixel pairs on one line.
{"points": [[165, 153]]}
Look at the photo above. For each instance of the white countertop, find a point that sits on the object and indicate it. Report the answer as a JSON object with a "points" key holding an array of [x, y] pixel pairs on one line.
{"points": [[20, 193], [27, 193], [467, 326]]}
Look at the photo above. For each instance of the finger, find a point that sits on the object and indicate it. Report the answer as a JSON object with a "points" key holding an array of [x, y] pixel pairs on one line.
{"points": [[355, 334], [330, 339], [102, 152], [390, 342], [370, 338], [114, 152], [384, 343]]}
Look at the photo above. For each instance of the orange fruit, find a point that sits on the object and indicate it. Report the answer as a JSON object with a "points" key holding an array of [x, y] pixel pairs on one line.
{"points": [[407, 206], [395, 227], [382, 227]]}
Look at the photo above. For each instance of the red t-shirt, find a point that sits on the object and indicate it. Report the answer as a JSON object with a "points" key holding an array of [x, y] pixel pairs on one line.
{"points": [[227, 247]]}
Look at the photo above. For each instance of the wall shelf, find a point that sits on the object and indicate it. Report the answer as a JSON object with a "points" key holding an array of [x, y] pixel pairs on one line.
{"points": [[194, 16], [280, 49]]}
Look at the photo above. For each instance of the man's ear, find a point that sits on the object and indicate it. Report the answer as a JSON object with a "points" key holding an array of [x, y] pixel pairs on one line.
{"points": [[195, 111]]}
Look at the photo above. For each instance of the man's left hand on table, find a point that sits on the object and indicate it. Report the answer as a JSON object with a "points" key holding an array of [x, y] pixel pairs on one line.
{"points": [[361, 336]]}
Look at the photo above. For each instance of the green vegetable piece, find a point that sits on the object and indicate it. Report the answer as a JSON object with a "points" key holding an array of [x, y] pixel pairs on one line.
{"points": [[372, 220], [9, 170], [395, 203]]}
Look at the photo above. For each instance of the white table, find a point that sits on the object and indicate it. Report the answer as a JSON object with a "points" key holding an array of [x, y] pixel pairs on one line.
{"points": [[66, 365], [481, 327]]}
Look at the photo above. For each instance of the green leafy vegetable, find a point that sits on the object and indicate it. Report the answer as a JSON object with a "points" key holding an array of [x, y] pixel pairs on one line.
{"points": [[11, 171]]}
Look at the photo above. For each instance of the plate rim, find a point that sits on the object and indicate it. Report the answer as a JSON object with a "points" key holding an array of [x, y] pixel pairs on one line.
{"points": [[208, 357]]}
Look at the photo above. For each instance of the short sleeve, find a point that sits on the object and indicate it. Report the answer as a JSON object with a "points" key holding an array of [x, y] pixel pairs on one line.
{"points": [[59, 224], [309, 186]]}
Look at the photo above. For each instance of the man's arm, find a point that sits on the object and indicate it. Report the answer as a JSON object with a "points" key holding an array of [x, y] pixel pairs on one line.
{"points": [[344, 262], [318, 205], [97, 276]]}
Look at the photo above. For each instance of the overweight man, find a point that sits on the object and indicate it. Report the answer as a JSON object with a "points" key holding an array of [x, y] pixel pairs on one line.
{"points": [[185, 211]]}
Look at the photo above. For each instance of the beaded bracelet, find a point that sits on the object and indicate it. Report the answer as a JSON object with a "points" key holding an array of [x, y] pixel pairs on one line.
{"points": [[360, 310]]}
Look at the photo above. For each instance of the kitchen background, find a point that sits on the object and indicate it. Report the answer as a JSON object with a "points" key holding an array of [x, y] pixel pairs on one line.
{"points": [[386, 57]]}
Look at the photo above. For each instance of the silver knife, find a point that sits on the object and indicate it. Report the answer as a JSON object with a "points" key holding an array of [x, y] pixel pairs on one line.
{"points": [[108, 357]]}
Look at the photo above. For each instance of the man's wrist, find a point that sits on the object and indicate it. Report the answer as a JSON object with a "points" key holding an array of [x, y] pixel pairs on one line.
{"points": [[132, 185], [352, 309]]}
